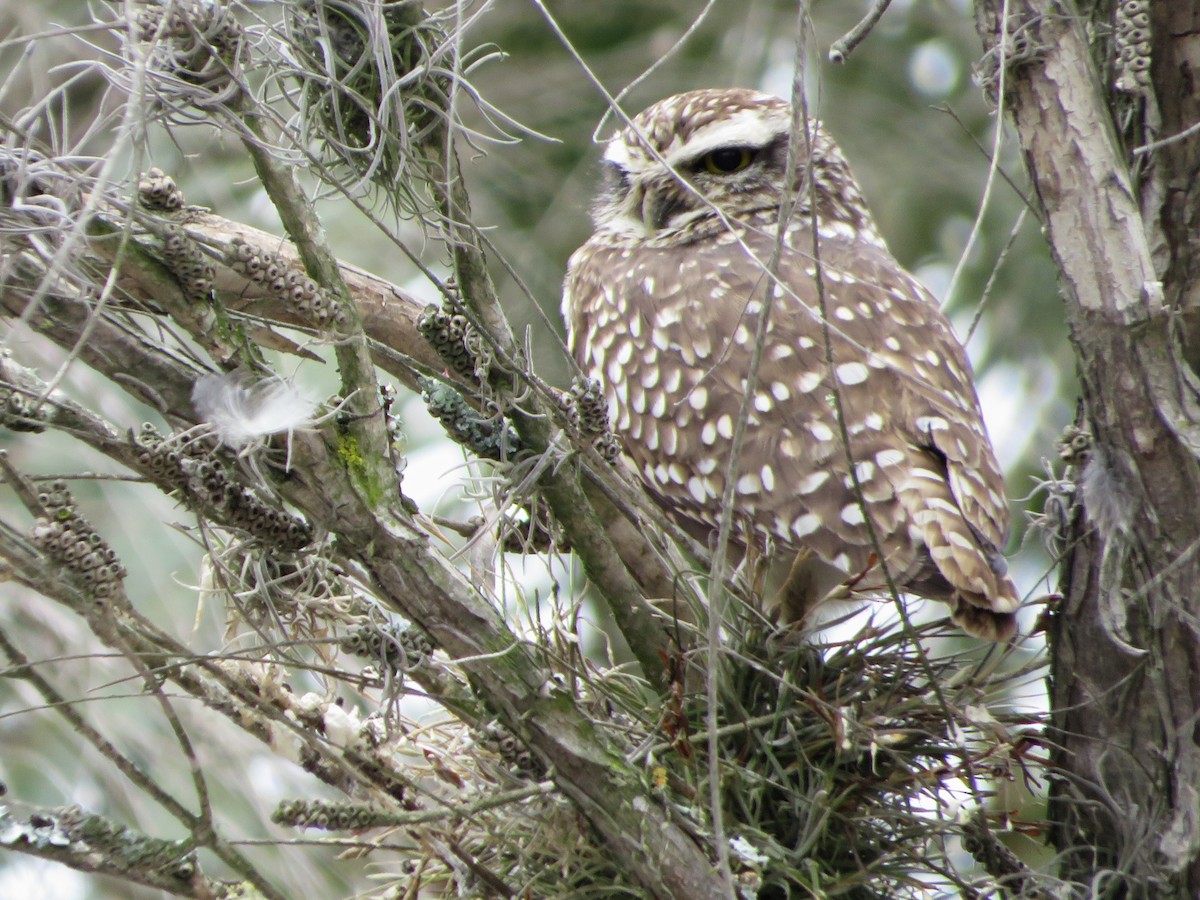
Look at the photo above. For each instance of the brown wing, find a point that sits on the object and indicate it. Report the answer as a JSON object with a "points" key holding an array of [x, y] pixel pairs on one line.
{"points": [[671, 337]]}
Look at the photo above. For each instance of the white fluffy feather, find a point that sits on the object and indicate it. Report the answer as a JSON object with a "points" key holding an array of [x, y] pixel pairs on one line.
{"points": [[241, 412]]}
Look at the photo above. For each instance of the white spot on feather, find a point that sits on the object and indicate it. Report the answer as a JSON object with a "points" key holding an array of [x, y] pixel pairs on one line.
{"points": [[852, 373], [863, 471], [768, 478], [932, 423], [852, 514], [821, 431], [803, 526], [670, 441], [748, 484], [962, 541], [667, 316], [812, 481], [808, 382], [887, 458]]}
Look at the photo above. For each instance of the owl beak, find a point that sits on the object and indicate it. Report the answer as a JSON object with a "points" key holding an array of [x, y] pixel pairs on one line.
{"points": [[652, 210], [646, 209]]}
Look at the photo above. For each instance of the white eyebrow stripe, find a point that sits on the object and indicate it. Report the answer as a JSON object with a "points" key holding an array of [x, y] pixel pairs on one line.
{"points": [[745, 128], [617, 153]]}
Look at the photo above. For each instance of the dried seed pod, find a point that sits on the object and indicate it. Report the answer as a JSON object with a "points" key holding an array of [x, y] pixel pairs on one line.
{"points": [[68, 538], [395, 646], [1132, 46], [328, 815], [300, 293], [450, 335], [488, 437], [157, 190], [587, 410], [19, 412], [188, 263], [521, 762], [239, 252], [196, 44]]}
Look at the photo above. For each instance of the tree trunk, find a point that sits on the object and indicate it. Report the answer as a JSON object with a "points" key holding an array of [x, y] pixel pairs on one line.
{"points": [[1125, 640]]}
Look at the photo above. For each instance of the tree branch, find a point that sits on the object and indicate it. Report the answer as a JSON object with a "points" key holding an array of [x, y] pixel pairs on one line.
{"points": [[1131, 606], [91, 843]]}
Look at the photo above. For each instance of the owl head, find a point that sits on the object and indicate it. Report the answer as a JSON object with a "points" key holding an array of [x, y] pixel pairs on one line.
{"points": [[690, 163]]}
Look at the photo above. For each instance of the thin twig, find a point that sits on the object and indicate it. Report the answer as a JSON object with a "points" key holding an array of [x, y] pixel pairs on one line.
{"points": [[202, 830], [993, 167], [844, 46]]}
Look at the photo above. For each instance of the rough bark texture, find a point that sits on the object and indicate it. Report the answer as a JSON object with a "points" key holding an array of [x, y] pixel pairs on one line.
{"points": [[1126, 656]]}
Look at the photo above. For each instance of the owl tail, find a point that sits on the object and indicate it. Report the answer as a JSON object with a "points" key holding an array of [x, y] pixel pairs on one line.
{"points": [[964, 568], [983, 623]]}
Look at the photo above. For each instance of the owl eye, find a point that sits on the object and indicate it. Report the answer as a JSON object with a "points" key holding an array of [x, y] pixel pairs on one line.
{"points": [[726, 160]]}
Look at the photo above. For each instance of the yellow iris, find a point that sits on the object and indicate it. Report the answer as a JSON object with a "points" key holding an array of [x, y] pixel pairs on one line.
{"points": [[727, 160]]}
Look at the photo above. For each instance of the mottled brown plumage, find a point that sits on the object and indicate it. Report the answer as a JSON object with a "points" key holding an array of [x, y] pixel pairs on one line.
{"points": [[663, 303]]}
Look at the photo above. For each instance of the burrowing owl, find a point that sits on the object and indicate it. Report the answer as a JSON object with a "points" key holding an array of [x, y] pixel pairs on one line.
{"points": [[663, 304]]}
